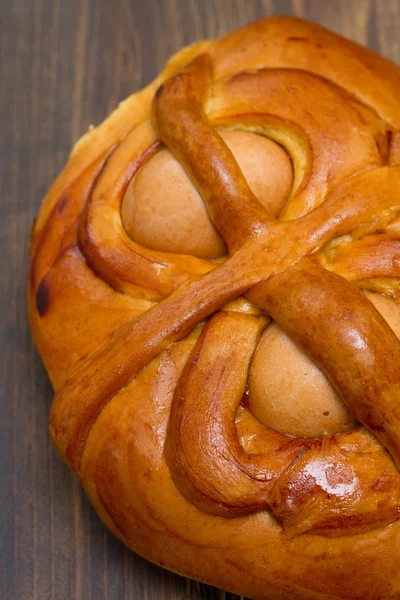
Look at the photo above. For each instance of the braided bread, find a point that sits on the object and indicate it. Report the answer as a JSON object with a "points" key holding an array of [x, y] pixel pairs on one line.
{"points": [[214, 289]]}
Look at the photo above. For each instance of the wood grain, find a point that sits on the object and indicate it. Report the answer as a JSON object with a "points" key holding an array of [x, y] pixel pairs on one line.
{"points": [[65, 65]]}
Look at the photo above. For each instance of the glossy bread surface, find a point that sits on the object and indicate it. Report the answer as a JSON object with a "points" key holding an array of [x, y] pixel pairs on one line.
{"points": [[229, 395]]}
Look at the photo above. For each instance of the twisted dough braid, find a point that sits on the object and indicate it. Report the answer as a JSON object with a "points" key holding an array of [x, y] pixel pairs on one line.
{"points": [[149, 397]]}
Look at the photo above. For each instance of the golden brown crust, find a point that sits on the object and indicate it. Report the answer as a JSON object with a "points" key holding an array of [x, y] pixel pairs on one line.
{"points": [[148, 400]]}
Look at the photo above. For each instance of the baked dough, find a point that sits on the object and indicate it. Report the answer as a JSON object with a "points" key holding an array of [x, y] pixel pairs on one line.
{"points": [[214, 290]]}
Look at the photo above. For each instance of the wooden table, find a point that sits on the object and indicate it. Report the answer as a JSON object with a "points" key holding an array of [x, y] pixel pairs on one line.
{"points": [[66, 64]]}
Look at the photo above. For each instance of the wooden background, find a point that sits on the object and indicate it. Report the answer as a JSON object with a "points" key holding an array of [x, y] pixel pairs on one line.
{"points": [[64, 65]]}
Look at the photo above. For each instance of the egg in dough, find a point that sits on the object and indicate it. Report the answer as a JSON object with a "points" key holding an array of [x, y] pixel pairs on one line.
{"points": [[162, 209], [290, 394]]}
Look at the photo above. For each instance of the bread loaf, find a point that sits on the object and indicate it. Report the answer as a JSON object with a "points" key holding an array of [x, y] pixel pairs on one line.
{"points": [[214, 289]]}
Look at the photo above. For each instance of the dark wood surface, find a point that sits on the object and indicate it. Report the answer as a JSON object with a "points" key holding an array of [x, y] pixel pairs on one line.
{"points": [[64, 65]]}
